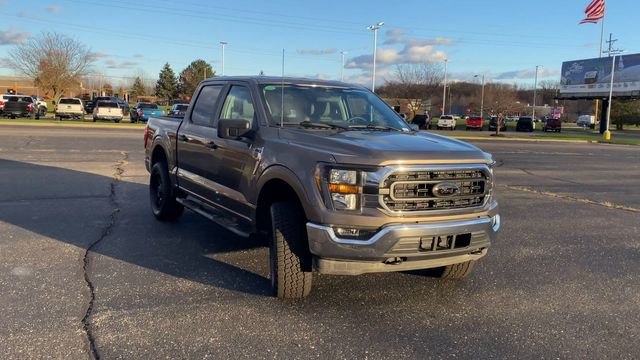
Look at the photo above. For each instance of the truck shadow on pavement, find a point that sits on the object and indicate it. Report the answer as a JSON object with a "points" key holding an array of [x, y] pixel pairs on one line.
{"points": [[80, 209]]}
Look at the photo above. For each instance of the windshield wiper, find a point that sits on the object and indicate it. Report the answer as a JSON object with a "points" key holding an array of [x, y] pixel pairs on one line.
{"points": [[311, 124], [374, 127]]}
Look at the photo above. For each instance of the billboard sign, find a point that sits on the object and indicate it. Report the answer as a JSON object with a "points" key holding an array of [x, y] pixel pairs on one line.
{"points": [[592, 77]]}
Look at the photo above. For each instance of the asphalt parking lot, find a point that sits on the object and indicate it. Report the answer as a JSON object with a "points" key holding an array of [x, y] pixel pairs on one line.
{"points": [[86, 270]]}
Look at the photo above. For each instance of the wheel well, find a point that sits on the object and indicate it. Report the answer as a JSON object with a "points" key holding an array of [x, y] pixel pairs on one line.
{"points": [[158, 155], [274, 190]]}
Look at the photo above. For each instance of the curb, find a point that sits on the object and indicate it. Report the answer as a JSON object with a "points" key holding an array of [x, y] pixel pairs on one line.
{"points": [[63, 125]]}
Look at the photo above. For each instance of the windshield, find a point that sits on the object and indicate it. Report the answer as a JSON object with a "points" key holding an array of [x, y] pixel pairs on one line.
{"points": [[329, 106], [181, 107], [70, 101], [147, 106]]}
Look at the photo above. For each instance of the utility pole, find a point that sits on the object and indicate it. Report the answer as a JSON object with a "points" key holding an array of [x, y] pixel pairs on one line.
{"points": [[375, 29], [342, 53], [482, 97], [610, 49], [444, 95], [223, 43], [535, 92]]}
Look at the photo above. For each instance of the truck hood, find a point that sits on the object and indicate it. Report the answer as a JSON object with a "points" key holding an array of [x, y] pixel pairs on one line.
{"points": [[384, 148]]}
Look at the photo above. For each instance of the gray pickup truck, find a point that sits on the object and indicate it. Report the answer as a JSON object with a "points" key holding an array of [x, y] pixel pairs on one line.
{"points": [[329, 174]]}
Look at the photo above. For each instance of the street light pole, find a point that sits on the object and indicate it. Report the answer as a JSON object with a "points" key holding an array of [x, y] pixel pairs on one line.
{"points": [[444, 95], [375, 29], [223, 43], [482, 97], [342, 53], [535, 92]]}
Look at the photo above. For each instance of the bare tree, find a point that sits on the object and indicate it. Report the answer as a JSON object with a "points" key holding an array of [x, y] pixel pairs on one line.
{"points": [[414, 82], [54, 61]]}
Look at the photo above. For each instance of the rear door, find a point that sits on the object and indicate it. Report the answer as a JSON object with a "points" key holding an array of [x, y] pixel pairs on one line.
{"points": [[197, 144]]}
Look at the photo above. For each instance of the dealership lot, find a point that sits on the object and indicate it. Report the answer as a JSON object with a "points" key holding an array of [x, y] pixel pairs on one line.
{"points": [[562, 281]]}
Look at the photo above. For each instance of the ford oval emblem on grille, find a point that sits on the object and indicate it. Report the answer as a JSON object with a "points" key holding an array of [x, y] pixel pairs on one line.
{"points": [[445, 189]]}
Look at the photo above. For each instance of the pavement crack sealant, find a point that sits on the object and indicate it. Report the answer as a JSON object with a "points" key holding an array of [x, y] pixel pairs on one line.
{"points": [[86, 324]]}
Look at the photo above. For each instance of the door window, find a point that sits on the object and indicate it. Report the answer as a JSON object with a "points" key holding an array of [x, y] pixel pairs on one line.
{"points": [[205, 106], [238, 105]]}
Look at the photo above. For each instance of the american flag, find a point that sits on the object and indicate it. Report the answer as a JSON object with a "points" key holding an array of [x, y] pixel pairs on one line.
{"points": [[594, 12]]}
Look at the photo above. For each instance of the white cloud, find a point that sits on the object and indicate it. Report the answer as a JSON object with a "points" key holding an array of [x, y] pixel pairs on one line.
{"points": [[316, 52], [99, 55], [53, 9], [527, 74], [112, 64], [12, 37]]}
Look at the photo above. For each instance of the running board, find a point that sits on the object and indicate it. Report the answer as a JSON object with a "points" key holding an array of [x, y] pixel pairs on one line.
{"points": [[214, 215]]}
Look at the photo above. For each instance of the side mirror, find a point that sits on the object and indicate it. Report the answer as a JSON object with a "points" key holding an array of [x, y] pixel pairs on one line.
{"points": [[233, 128], [414, 127]]}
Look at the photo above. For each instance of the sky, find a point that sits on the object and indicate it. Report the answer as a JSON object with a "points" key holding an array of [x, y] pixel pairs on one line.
{"points": [[503, 39]]}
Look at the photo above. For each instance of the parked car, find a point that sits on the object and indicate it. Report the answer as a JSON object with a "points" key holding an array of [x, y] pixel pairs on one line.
{"points": [[551, 124], [107, 110], [422, 120], [446, 122], [69, 108], [3, 99], [587, 121], [493, 123], [20, 106], [178, 110], [328, 184], [475, 123], [525, 123], [143, 110]]}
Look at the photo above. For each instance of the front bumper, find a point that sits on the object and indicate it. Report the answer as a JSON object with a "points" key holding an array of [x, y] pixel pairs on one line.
{"points": [[401, 247]]}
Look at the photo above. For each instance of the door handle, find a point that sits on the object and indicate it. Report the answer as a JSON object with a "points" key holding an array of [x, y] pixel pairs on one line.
{"points": [[212, 145], [184, 138]]}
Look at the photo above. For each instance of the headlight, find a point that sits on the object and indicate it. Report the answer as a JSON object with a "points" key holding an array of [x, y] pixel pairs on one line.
{"points": [[341, 188]]}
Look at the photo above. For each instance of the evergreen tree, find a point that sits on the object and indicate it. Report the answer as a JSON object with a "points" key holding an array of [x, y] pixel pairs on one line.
{"points": [[138, 88], [191, 76], [166, 86]]}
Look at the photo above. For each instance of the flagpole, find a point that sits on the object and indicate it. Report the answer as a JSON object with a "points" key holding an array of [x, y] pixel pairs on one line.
{"points": [[600, 55]]}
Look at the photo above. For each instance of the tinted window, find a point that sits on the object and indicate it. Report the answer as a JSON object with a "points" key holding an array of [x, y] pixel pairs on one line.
{"points": [[182, 107], [238, 104], [107, 104], [205, 106], [147, 106], [70, 101]]}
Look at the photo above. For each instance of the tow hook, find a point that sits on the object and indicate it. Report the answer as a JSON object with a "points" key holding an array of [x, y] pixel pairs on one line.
{"points": [[394, 261]]}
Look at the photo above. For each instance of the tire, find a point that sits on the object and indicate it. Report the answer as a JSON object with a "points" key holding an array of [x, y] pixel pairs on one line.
{"points": [[161, 195], [456, 271], [289, 256], [116, 121]]}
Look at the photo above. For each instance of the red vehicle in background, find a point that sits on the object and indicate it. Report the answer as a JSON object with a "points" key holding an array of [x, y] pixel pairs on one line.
{"points": [[475, 122], [551, 124]]}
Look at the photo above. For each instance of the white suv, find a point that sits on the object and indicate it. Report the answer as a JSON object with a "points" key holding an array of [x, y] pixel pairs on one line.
{"points": [[446, 122]]}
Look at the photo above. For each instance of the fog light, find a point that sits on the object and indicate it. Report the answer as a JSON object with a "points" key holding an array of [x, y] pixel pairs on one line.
{"points": [[344, 201], [353, 233]]}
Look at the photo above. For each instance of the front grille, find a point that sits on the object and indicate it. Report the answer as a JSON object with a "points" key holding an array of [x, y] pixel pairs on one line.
{"points": [[414, 190]]}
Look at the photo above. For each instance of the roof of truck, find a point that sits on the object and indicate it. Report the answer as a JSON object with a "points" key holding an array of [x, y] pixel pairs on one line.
{"points": [[286, 80]]}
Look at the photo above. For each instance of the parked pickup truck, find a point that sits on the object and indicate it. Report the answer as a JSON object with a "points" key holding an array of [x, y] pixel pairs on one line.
{"points": [[107, 110], [20, 106], [329, 174]]}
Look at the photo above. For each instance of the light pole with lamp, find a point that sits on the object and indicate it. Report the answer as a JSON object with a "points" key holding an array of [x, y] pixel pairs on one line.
{"points": [[607, 134], [342, 54], [481, 97], [375, 29], [222, 44]]}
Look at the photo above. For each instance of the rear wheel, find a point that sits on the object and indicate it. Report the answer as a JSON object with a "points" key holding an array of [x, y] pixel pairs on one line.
{"points": [[163, 199], [289, 256]]}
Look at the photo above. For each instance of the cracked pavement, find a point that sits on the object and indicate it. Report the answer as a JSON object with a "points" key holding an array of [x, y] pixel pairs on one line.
{"points": [[563, 281]]}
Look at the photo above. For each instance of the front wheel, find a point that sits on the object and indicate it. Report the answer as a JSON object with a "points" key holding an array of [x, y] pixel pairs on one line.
{"points": [[163, 199], [456, 271], [289, 256]]}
